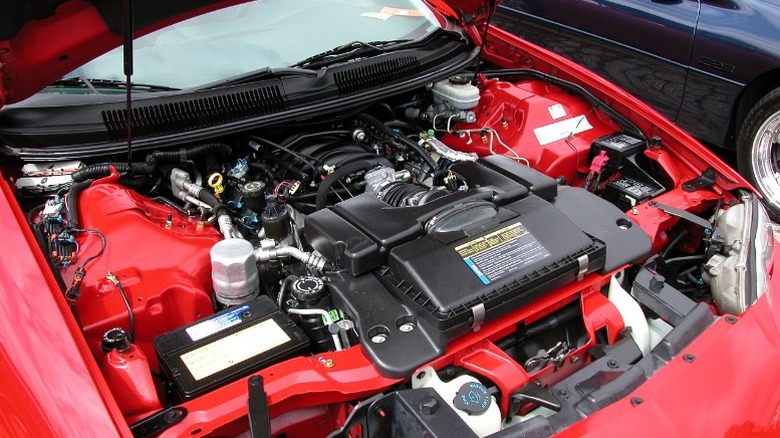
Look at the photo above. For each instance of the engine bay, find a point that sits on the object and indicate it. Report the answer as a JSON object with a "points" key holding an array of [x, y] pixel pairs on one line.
{"points": [[478, 246]]}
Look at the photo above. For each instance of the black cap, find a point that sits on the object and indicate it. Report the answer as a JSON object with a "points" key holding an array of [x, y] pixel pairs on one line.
{"points": [[459, 80], [115, 339], [472, 397], [308, 289]]}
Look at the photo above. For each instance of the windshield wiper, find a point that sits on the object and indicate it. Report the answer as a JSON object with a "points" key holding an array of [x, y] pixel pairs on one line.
{"points": [[355, 49], [96, 84], [260, 74]]}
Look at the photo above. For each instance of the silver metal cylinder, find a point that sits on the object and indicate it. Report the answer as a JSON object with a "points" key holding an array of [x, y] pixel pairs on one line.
{"points": [[234, 271]]}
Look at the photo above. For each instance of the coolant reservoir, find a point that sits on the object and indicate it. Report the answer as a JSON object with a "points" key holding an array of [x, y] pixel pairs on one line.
{"points": [[457, 92], [466, 396], [127, 373]]}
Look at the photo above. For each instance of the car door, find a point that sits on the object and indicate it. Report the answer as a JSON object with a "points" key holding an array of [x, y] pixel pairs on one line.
{"points": [[642, 45]]}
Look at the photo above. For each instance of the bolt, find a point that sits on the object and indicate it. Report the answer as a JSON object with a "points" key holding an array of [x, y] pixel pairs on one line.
{"points": [[636, 401], [406, 328], [379, 339], [612, 363], [246, 314], [634, 210], [327, 363], [731, 319], [689, 358], [171, 416], [564, 393], [429, 405], [574, 359], [255, 380], [657, 283]]}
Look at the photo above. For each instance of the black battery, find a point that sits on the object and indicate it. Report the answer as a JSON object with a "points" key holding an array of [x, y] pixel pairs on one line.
{"points": [[213, 351], [627, 192]]}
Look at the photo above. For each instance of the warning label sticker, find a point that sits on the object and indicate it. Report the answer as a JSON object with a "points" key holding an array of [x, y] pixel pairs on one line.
{"points": [[501, 252], [234, 349]]}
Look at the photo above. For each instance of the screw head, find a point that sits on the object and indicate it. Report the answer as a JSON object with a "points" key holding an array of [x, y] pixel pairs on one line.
{"points": [[612, 363], [379, 339], [564, 393], [172, 415], [731, 319], [689, 358], [406, 328], [636, 401]]}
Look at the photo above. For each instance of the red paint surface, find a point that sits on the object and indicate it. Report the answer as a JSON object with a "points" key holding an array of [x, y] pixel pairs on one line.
{"points": [[129, 377], [165, 270], [510, 113], [51, 385]]}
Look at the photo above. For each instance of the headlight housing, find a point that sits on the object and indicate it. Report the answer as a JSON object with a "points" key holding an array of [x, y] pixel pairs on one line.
{"points": [[739, 273]]}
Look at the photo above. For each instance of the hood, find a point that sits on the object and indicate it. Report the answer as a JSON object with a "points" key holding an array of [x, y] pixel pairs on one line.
{"points": [[42, 40]]}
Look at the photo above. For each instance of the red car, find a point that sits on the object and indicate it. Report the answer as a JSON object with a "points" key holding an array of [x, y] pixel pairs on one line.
{"points": [[327, 218]]}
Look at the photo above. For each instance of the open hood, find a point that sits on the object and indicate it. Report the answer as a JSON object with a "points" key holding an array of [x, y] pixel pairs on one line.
{"points": [[41, 41]]}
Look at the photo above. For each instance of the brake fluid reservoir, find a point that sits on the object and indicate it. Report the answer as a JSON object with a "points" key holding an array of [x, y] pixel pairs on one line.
{"points": [[457, 92], [466, 396]]}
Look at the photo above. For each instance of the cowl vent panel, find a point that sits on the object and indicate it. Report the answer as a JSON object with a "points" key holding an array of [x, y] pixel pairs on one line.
{"points": [[375, 75], [191, 114]]}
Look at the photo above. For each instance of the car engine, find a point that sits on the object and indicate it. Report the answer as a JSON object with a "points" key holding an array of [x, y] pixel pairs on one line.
{"points": [[471, 245]]}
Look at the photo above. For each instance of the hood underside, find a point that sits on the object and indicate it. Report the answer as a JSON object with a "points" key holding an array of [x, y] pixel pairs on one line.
{"points": [[41, 41]]}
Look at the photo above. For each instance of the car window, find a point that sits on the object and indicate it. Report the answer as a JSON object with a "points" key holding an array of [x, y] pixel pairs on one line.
{"points": [[255, 35]]}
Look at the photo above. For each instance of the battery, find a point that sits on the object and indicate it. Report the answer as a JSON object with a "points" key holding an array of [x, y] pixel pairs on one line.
{"points": [[206, 354]]}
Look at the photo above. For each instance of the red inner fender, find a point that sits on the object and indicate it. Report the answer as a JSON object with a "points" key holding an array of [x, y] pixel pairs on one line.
{"points": [[540, 122], [164, 269]]}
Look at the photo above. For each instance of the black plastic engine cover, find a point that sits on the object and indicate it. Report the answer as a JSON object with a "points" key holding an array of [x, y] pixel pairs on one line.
{"points": [[476, 278], [452, 280]]}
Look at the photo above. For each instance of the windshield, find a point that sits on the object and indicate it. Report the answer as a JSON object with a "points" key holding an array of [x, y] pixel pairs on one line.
{"points": [[256, 35]]}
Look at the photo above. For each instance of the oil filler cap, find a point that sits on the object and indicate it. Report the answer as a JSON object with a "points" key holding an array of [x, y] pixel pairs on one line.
{"points": [[473, 398]]}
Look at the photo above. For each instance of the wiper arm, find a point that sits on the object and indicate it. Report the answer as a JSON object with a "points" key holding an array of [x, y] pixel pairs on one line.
{"points": [[347, 51], [260, 74], [95, 84]]}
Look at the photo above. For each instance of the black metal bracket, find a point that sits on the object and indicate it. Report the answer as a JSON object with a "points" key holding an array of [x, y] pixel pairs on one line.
{"points": [[706, 179], [156, 423], [682, 214]]}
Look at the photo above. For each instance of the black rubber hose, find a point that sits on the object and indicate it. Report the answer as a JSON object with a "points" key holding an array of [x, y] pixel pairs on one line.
{"points": [[218, 207], [184, 154], [72, 202], [365, 118], [551, 322], [673, 244], [133, 182], [94, 171], [340, 172], [266, 169]]}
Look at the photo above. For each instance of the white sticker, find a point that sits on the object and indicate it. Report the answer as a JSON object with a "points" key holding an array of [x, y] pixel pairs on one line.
{"points": [[234, 349], [560, 130], [216, 324], [556, 111]]}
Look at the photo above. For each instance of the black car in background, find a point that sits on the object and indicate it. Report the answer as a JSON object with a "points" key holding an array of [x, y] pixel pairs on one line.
{"points": [[712, 66]]}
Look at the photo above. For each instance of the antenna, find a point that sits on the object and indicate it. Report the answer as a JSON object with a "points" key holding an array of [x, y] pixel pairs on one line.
{"points": [[491, 11], [127, 51]]}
